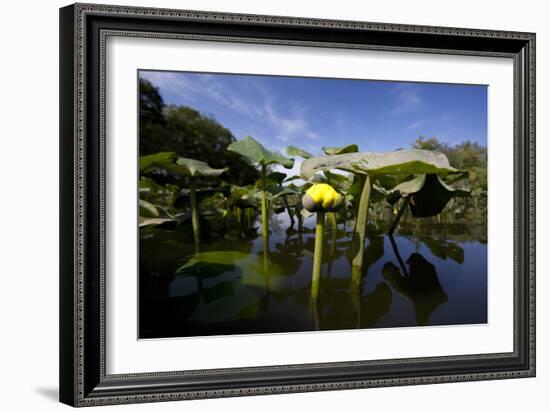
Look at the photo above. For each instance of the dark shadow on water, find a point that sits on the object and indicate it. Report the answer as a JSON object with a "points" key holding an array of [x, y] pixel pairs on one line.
{"points": [[421, 285]]}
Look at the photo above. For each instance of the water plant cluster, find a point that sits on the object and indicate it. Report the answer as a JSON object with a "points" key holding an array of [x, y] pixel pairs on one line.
{"points": [[343, 184]]}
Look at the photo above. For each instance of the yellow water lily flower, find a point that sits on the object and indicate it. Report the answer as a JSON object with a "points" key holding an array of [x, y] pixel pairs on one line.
{"points": [[322, 197]]}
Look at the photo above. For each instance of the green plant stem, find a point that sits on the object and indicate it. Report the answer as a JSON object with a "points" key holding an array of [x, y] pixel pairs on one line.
{"points": [[362, 219], [195, 213], [357, 204], [318, 254], [265, 228], [400, 212]]}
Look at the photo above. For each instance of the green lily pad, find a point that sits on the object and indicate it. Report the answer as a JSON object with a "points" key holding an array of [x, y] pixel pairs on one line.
{"points": [[146, 209], [297, 152], [338, 181], [429, 194], [243, 197], [183, 166], [258, 154], [252, 268], [402, 162], [272, 179], [411, 186], [157, 160], [292, 178], [195, 168], [145, 221], [350, 148]]}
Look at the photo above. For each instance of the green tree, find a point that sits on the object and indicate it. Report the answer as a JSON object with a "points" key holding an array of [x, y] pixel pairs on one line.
{"points": [[190, 134], [432, 143], [150, 103], [467, 155]]}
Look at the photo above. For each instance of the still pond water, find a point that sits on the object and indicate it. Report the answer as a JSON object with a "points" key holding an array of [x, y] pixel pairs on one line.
{"points": [[429, 273]]}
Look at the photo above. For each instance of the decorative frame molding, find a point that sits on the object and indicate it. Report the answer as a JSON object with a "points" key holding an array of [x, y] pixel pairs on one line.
{"points": [[84, 29]]}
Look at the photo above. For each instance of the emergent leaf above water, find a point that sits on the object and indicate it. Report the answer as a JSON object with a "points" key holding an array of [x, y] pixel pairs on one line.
{"points": [[369, 165], [392, 162], [256, 153], [350, 148], [429, 194]]}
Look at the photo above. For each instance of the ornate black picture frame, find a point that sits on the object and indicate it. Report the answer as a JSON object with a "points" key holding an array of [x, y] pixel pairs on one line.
{"points": [[83, 31]]}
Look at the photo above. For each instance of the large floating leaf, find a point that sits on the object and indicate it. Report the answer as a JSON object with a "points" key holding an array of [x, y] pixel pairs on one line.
{"points": [[251, 268], [272, 179], [157, 160], [411, 186], [196, 168], [292, 178], [230, 258], [297, 152], [214, 205], [338, 181], [429, 194], [146, 209], [257, 153], [350, 148], [146, 221], [243, 197], [377, 194], [183, 166], [401, 162]]}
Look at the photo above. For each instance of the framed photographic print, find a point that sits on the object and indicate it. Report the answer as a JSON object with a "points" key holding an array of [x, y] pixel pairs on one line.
{"points": [[261, 204]]}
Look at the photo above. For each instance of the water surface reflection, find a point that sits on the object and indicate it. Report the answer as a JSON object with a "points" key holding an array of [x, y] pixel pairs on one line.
{"points": [[241, 283]]}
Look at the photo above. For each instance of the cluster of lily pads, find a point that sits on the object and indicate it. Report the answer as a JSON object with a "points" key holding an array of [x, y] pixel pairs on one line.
{"points": [[343, 184]]}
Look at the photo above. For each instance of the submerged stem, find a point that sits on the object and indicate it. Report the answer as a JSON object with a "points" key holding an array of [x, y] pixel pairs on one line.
{"points": [[400, 212], [317, 255], [361, 227]]}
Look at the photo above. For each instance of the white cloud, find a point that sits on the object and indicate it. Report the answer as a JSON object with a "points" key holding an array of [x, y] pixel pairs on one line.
{"points": [[415, 124], [408, 98], [260, 107], [288, 126]]}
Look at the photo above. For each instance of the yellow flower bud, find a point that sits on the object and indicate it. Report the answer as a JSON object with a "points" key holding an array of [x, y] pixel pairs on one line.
{"points": [[322, 197]]}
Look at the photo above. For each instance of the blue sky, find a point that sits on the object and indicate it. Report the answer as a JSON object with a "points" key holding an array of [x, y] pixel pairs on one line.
{"points": [[312, 112]]}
